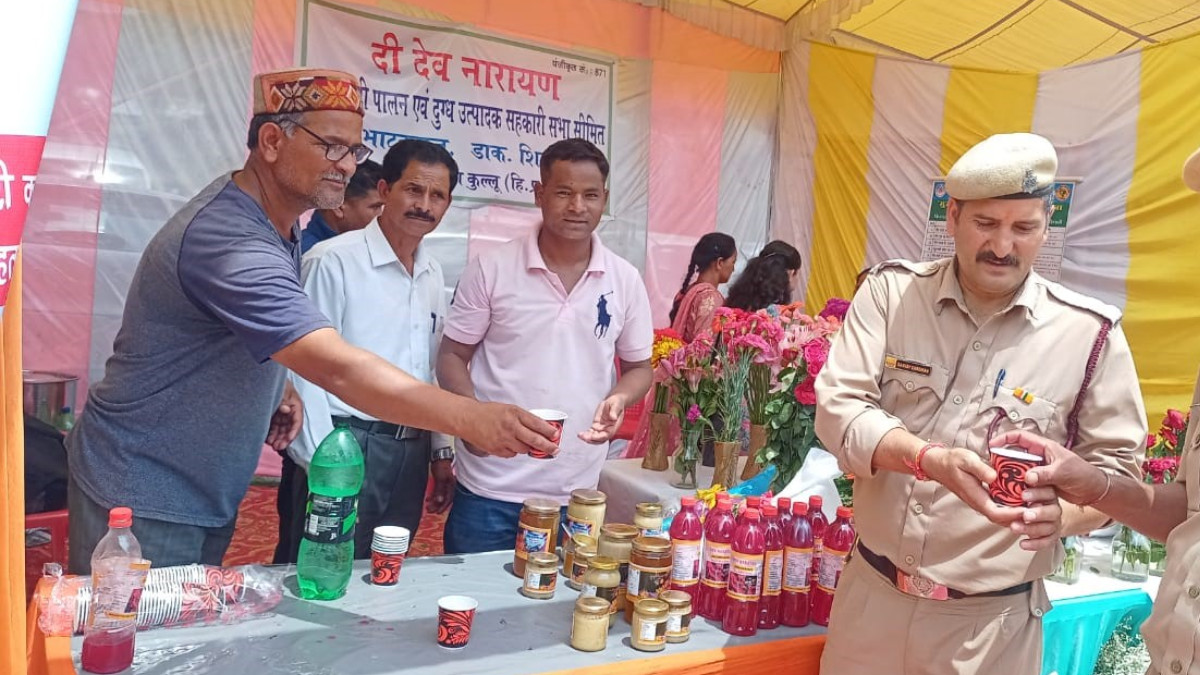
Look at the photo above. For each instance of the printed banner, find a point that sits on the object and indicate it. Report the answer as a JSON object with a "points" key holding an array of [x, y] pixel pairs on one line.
{"points": [[19, 160], [939, 244], [496, 104]]}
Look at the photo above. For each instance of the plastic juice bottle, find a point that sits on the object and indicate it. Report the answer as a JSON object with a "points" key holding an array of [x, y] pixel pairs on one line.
{"points": [[118, 573], [745, 576], [839, 539], [772, 579], [785, 513], [797, 568], [687, 533], [819, 524], [718, 535]]}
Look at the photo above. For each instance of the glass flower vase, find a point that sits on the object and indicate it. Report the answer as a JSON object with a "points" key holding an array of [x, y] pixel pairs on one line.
{"points": [[1130, 555]]}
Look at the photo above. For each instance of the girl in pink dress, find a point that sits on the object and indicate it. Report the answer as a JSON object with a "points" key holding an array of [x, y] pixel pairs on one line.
{"points": [[713, 259]]}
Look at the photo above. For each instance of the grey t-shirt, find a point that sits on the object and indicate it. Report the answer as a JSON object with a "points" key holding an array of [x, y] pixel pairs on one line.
{"points": [[175, 428]]}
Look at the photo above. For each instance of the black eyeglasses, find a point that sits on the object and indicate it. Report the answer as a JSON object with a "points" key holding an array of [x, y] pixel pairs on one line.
{"points": [[335, 152]]}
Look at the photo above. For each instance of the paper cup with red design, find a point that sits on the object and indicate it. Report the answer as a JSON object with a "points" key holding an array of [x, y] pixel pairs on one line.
{"points": [[455, 614], [557, 419], [389, 546], [1011, 464]]}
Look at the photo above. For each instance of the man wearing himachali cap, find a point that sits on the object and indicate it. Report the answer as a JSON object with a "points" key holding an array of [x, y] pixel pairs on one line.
{"points": [[215, 315], [936, 361], [1172, 632]]}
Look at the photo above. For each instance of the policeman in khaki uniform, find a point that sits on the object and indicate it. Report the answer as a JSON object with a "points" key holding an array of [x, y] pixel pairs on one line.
{"points": [[934, 360], [1173, 630]]}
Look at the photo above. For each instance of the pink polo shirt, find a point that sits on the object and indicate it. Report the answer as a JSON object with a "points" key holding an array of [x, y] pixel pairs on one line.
{"points": [[539, 347]]}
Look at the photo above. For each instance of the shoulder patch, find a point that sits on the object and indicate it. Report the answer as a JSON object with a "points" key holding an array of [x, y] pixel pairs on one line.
{"points": [[922, 269], [1084, 302]]}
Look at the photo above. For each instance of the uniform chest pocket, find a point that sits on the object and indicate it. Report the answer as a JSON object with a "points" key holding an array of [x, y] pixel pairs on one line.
{"points": [[1013, 414], [906, 392]]}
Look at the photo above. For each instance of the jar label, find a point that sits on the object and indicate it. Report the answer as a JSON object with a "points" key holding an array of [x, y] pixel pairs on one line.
{"points": [[685, 566], [653, 532], [578, 569], [678, 624], [531, 540], [624, 569], [745, 576], [716, 564], [535, 581], [647, 583], [832, 562], [609, 594], [652, 632], [330, 520], [576, 526], [797, 563], [773, 580]]}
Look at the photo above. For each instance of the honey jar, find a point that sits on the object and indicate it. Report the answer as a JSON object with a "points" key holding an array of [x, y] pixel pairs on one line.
{"points": [[537, 531], [649, 571]]}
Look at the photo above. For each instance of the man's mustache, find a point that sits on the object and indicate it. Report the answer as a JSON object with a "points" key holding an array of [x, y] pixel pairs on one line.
{"points": [[419, 215], [989, 257]]}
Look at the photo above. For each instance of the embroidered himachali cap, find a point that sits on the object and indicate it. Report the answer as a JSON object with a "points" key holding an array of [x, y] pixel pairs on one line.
{"points": [[1191, 171], [301, 90], [1004, 166]]}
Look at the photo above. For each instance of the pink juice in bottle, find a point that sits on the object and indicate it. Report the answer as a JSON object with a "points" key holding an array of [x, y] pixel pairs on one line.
{"points": [[118, 572], [745, 576], [839, 539], [718, 534], [772, 579], [785, 513], [797, 568], [816, 517], [687, 533]]}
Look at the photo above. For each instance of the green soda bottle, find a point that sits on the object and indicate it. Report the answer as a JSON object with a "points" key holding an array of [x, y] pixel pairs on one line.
{"points": [[326, 557]]}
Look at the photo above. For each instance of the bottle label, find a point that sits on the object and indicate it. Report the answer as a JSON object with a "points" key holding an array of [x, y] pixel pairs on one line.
{"points": [[647, 583], [531, 540], [745, 576], [773, 581], [576, 526], [685, 566], [652, 632], [832, 562], [330, 519], [678, 624], [797, 569], [716, 564], [535, 581]]}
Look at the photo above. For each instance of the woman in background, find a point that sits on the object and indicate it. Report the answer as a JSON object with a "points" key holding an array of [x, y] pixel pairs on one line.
{"points": [[712, 263], [770, 278]]}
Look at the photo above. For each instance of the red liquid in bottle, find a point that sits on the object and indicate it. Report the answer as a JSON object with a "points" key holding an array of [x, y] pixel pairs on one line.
{"points": [[686, 534], [718, 533], [797, 568], [817, 518], [108, 652], [745, 576], [839, 539], [769, 605], [752, 502], [785, 514]]}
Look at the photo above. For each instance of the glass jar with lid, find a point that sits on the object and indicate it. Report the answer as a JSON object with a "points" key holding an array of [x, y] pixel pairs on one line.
{"points": [[602, 580], [679, 615], [589, 624], [616, 542], [571, 546], [580, 563], [648, 518], [537, 531], [541, 576], [649, 629], [649, 571], [585, 512]]}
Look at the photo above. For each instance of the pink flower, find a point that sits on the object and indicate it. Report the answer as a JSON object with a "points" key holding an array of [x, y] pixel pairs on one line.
{"points": [[835, 307], [1151, 441], [1170, 437], [1174, 420], [816, 352], [805, 393], [693, 414], [693, 376]]}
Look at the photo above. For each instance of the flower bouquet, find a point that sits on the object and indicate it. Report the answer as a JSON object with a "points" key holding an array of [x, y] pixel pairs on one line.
{"points": [[1134, 556], [742, 339], [791, 407], [695, 401], [662, 438]]}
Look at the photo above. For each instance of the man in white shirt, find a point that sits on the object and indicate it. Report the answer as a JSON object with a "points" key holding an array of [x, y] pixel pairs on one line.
{"points": [[383, 292]]}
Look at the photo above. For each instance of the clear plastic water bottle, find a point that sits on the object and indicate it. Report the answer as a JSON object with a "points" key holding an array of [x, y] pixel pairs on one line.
{"points": [[335, 477], [118, 573]]}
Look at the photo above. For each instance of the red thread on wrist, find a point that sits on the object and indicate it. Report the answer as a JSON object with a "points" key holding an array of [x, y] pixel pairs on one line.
{"points": [[915, 463]]}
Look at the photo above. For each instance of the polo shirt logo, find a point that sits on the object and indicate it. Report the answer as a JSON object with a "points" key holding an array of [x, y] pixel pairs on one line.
{"points": [[603, 318]]}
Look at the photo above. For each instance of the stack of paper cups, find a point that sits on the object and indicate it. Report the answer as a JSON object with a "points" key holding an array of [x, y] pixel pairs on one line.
{"points": [[389, 545]]}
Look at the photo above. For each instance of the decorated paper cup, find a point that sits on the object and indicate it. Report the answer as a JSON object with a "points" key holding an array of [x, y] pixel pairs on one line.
{"points": [[455, 614], [385, 568], [1011, 464], [557, 419]]}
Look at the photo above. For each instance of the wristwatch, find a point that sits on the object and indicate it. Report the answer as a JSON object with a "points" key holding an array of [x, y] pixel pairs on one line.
{"points": [[441, 453]]}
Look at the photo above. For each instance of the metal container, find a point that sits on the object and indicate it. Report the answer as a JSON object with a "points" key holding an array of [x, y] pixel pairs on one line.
{"points": [[46, 394]]}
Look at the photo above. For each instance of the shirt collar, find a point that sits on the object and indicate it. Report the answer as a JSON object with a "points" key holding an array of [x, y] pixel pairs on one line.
{"points": [[382, 254], [949, 290], [535, 261]]}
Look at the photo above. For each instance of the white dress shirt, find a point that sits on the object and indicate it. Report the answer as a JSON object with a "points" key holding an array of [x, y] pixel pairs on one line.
{"points": [[357, 281]]}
